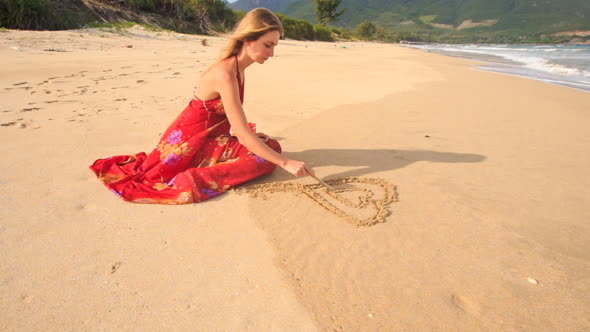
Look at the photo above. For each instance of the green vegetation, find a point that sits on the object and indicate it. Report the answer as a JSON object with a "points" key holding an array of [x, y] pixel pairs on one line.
{"points": [[200, 16], [322, 33], [303, 30], [427, 19], [526, 15], [512, 21], [366, 30], [111, 25], [326, 11], [179, 15], [40, 14], [144, 4], [120, 26], [29, 14], [296, 29]]}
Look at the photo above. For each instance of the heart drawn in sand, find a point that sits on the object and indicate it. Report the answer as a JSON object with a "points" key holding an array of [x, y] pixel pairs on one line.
{"points": [[349, 197]]}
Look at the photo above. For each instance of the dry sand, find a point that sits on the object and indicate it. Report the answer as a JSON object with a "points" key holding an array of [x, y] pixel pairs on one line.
{"points": [[490, 231]]}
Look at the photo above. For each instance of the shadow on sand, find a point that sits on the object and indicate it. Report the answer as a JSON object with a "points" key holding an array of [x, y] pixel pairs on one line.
{"points": [[372, 161]]}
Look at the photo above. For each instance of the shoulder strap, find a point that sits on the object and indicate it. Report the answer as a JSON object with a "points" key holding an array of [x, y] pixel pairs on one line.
{"points": [[238, 70], [240, 83]]}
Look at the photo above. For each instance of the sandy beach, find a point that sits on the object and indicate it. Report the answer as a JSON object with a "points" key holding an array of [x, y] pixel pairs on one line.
{"points": [[489, 231]]}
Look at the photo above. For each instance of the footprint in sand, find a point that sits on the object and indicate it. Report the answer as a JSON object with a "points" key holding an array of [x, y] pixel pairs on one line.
{"points": [[466, 304], [29, 109], [26, 298], [87, 207], [22, 124], [19, 88], [83, 90], [115, 267]]}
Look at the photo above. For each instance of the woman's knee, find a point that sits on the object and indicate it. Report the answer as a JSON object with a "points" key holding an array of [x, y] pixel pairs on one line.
{"points": [[274, 144]]}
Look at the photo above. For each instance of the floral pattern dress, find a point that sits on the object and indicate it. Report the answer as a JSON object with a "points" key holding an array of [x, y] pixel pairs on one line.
{"points": [[196, 159]]}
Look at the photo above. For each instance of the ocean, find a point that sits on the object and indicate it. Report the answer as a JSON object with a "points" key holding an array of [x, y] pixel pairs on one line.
{"points": [[567, 65]]}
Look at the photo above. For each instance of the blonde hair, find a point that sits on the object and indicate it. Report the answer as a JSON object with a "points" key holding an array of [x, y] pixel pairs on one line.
{"points": [[252, 26]]}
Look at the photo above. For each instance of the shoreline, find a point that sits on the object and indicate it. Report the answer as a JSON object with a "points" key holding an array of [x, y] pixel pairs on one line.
{"points": [[521, 76], [500, 58]]}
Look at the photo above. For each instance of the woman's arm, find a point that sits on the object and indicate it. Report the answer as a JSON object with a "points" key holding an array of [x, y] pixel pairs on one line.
{"points": [[228, 90]]}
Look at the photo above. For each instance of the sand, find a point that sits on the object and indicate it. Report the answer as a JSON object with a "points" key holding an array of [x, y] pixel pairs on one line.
{"points": [[489, 229], [377, 197]]}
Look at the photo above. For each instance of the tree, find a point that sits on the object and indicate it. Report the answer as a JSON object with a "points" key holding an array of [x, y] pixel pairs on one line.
{"points": [[325, 10], [366, 29]]}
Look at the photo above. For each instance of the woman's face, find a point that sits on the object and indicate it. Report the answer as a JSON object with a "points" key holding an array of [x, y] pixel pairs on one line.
{"points": [[263, 48]]}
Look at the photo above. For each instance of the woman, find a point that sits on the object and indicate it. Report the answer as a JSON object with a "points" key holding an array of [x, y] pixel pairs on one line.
{"points": [[197, 158]]}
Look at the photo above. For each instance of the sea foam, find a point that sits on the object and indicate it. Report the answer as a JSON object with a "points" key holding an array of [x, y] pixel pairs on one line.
{"points": [[567, 65]]}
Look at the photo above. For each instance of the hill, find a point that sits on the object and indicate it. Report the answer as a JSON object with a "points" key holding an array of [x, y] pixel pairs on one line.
{"points": [[274, 5], [454, 17]]}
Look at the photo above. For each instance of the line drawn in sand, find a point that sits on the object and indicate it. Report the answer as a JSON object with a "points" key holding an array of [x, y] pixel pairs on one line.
{"points": [[342, 187]]}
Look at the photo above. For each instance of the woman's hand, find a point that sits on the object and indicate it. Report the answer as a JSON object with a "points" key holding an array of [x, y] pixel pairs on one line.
{"points": [[297, 168], [264, 137]]}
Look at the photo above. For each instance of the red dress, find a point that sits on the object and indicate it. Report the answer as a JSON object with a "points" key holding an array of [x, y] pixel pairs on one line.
{"points": [[196, 159]]}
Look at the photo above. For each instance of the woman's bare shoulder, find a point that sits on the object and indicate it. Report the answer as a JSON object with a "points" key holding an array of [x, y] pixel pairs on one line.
{"points": [[220, 70], [213, 78]]}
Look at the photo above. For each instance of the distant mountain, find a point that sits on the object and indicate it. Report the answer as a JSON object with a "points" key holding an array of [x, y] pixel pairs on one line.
{"points": [[522, 15], [274, 5]]}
